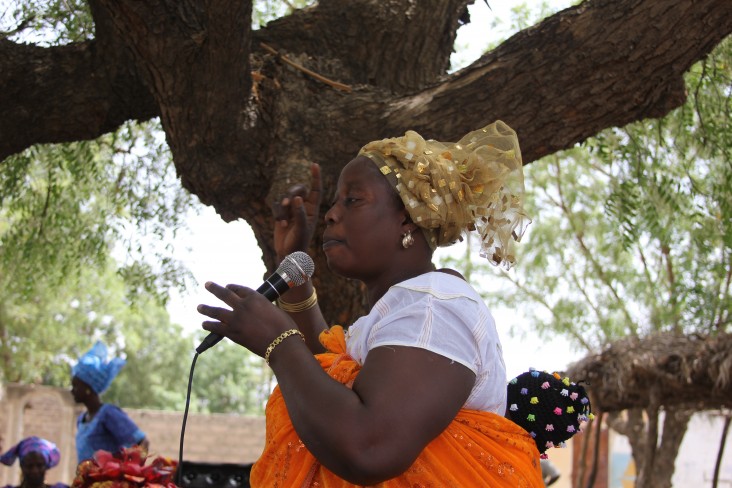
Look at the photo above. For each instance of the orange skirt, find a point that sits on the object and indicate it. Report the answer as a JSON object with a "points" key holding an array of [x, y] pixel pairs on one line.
{"points": [[478, 449]]}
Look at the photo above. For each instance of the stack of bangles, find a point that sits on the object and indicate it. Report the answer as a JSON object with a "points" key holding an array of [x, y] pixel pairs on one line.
{"points": [[306, 304]]}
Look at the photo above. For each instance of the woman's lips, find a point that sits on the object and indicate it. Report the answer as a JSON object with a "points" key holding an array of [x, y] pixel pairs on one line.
{"points": [[328, 243]]}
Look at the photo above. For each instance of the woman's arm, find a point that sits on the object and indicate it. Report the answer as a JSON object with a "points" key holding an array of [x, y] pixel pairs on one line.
{"points": [[145, 444], [296, 216], [310, 322], [402, 398]]}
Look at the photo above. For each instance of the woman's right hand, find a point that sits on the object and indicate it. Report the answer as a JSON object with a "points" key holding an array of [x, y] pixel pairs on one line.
{"points": [[250, 319], [296, 216]]}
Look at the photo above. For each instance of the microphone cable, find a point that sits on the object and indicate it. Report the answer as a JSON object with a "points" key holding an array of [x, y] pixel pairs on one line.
{"points": [[179, 472], [294, 270]]}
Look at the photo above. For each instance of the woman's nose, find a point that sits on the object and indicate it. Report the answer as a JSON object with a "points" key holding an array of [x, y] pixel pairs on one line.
{"points": [[330, 215]]}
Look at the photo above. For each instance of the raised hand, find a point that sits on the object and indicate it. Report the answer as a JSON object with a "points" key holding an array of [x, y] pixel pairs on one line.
{"points": [[296, 216], [252, 321]]}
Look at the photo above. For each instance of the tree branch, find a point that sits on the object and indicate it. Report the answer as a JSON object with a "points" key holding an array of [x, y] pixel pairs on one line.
{"points": [[613, 82], [588, 255], [65, 93]]}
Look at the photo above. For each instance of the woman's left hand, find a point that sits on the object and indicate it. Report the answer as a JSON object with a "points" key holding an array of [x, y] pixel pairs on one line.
{"points": [[253, 321], [297, 215]]}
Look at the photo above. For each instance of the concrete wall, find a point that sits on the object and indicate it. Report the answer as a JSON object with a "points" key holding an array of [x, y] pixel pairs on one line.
{"points": [[51, 413]]}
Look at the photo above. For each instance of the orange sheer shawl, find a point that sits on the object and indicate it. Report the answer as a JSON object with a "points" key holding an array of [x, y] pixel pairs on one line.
{"points": [[478, 449]]}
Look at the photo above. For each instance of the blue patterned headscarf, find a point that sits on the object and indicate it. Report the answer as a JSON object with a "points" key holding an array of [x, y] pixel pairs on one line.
{"points": [[94, 370], [47, 449]]}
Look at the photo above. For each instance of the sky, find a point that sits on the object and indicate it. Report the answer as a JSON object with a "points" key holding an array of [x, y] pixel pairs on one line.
{"points": [[228, 253]]}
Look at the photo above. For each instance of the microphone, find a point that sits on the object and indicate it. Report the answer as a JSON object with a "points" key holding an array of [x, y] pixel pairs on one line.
{"points": [[294, 270]]}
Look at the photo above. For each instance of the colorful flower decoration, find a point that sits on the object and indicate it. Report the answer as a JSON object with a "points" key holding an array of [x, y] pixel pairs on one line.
{"points": [[132, 468]]}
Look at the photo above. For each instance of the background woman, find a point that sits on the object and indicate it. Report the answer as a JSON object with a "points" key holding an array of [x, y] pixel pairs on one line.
{"points": [[102, 425], [36, 456]]}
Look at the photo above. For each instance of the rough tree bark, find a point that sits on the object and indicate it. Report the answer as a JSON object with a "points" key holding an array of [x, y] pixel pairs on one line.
{"points": [[654, 458], [239, 120]]}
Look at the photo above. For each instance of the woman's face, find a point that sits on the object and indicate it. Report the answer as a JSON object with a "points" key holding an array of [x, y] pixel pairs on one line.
{"points": [[364, 224], [79, 390], [33, 466]]}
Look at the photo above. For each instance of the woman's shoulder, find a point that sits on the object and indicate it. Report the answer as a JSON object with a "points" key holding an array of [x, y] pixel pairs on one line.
{"points": [[451, 272], [110, 410], [444, 283]]}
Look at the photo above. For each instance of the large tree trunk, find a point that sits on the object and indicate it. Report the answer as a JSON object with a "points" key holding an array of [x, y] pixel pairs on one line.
{"points": [[239, 118], [654, 454]]}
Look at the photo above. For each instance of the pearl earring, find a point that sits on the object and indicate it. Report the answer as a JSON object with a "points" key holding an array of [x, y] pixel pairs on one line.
{"points": [[407, 240]]}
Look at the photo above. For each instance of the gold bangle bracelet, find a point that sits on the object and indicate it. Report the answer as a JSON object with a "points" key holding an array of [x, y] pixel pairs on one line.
{"points": [[306, 304], [279, 340]]}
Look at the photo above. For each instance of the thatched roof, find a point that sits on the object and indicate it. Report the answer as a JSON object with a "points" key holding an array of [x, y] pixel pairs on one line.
{"points": [[693, 371]]}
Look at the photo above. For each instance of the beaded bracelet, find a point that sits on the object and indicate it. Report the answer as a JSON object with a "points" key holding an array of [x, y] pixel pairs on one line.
{"points": [[279, 340], [306, 304]]}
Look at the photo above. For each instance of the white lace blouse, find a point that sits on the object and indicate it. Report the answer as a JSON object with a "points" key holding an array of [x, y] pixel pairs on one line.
{"points": [[443, 314]]}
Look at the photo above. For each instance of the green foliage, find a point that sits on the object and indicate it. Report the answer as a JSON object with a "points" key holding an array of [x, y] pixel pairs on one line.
{"points": [[43, 335], [230, 380], [68, 213], [49, 227], [66, 207], [83, 256], [631, 231], [49, 22], [158, 358]]}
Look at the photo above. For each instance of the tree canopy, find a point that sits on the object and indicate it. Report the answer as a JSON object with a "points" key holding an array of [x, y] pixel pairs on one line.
{"points": [[242, 108]]}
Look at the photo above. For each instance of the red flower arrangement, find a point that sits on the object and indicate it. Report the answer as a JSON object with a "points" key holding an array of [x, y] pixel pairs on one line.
{"points": [[130, 469]]}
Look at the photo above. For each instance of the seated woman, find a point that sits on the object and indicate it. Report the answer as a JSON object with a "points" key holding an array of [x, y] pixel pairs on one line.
{"points": [[414, 394], [36, 456]]}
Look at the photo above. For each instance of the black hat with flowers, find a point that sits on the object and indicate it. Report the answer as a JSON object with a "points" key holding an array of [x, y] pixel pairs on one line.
{"points": [[550, 408]]}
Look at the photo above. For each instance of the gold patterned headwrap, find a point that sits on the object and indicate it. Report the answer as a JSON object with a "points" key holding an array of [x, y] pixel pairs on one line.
{"points": [[476, 183]]}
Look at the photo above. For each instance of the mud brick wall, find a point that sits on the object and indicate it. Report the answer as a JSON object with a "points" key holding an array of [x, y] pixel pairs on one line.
{"points": [[51, 413]]}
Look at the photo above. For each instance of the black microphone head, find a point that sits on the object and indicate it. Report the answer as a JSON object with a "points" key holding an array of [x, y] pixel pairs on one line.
{"points": [[297, 268]]}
